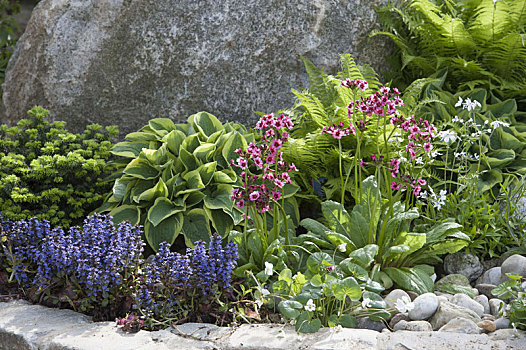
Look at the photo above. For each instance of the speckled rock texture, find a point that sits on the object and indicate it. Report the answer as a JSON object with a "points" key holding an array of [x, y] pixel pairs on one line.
{"points": [[126, 61]]}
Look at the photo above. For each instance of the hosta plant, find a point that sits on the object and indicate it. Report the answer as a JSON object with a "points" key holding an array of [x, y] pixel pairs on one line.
{"points": [[177, 179], [50, 173]]}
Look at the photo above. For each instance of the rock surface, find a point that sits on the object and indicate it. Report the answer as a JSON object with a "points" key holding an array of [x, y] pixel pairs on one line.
{"points": [[391, 298], [484, 301], [413, 326], [448, 311], [461, 325], [467, 302], [465, 264], [425, 306], [491, 276], [126, 61], [514, 264]]}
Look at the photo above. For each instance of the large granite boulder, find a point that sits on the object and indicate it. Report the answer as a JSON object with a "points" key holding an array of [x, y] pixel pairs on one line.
{"points": [[127, 61]]}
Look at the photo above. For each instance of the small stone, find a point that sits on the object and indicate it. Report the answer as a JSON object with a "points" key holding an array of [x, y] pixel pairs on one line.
{"points": [[442, 298], [484, 301], [391, 298], [455, 278], [403, 316], [495, 306], [492, 276], [465, 301], [487, 326], [475, 291], [488, 317], [505, 334], [514, 264], [485, 289], [442, 294], [412, 295], [465, 264], [413, 326], [502, 323], [425, 306], [367, 323], [448, 311], [461, 325]]}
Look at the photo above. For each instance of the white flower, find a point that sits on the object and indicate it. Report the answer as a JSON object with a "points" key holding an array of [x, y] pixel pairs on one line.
{"points": [[459, 103], [423, 194], [265, 292], [269, 268], [310, 305], [419, 161], [456, 119], [366, 303], [475, 156], [404, 304], [498, 123], [342, 247], [442, 195], [470, 105], [447, 136], [433, 154]]}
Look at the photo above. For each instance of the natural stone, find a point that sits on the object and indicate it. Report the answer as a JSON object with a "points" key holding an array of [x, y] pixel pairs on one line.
{"points": [[413, 326], [487, 326], [448, 311], [412, 295], [367, 323], [495, 306], [125, 62], [454, 278], [425, 306], [485, 289], [465, 301], [491, 276], [461, 325], [502, 323], [514, 264], [484, 301], [505, 334], [465, 264], [391, 298], [402, 316]]}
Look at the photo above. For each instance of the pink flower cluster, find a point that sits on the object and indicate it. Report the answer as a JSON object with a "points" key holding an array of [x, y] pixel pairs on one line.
{"points": [[385, 101], [338, 131], [353, 83], [264, 171], [420, 134]]}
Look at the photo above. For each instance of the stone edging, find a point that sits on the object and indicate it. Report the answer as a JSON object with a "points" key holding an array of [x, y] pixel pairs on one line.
{"points": [[25, 326]]}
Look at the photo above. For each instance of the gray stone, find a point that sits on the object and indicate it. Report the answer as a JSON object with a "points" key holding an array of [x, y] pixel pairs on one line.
{"points": [[391, 298], [125, 62], [442, 298], [484, 301], [495, 306], [487, 326], [465, 264], [502, 323], [505, 334], [424, 307], [367, 323], [485, 289], [413, 326], [448, 311], [403, 316], [465, 301], [491, 276], [514, 264], [461, 325], [412, 295], [455, 278]]}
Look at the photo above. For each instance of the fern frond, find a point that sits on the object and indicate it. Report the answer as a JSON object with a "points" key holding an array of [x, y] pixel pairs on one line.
{"points": [[490, 22], [508, 57], [319, 84]]}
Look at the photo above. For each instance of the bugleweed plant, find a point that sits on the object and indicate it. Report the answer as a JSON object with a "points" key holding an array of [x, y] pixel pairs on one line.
{"points": [[175, 288], [52, 174], [265, 196], [90, 268]]}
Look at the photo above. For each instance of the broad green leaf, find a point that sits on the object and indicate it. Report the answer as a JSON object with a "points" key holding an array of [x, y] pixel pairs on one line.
{"points": [[141, 169], [193, 180], [289, 190], [319, 260], [161, 209], [205, 123], [142, 136], [348, 287], [375, 300], [226, 176], [190, 162], [286, 275], [305, 325], [206, 171], [347, 321], [338, 239], [204, 152], [220, 198], [337, 217], [196, 227], [410, 279], [126, 212], [455, 288], [354, 270], [128, 149], [290, 309], [235, 140], [373, 286], [364, 256], [166, 231], [119, 189], [438, 232], [173, 140], [489, 179], [193, 198], [221, 221], [315, 227], [500, 158], [162, 126], [359, 232], [159, 190]]}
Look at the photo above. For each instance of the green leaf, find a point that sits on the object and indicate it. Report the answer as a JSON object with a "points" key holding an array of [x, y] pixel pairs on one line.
{"points": [[234, 141], [128, 149], [161, 126], [360, 229], [190, 162], [119, 189], [304, 325], [204, 152], [166, 231], [193, 180], [319, 260], [364, 256], [339, 223], [353, 269], [348, 287], [455, 288], [161, 209], [205, 123], [410, 279], [126, 212], [220, 198], [227, 176], [290, 309], [206, 171], [174, 140], [196, 227], [347, 321], [141, 169], [375, 300], [221, 221], [159, 190]]}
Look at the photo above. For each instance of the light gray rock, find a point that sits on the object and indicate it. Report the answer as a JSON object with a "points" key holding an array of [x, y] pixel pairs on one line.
{"points": [[448, 311], [461, 325], [514, 264], [442, 298], [126, 61], [491, 276], [391, 298], [454, 278], [465, 301], [502, 323], [484, 301], [495, 306], [465, 264], [367, 323], [425, 306], [487, 326], [397, 318], [413, 326], [506, 334], [485, 289]]}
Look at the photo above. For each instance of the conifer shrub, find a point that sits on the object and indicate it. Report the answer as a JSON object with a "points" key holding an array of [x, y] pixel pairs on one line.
{"points": [[50, 173]]}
